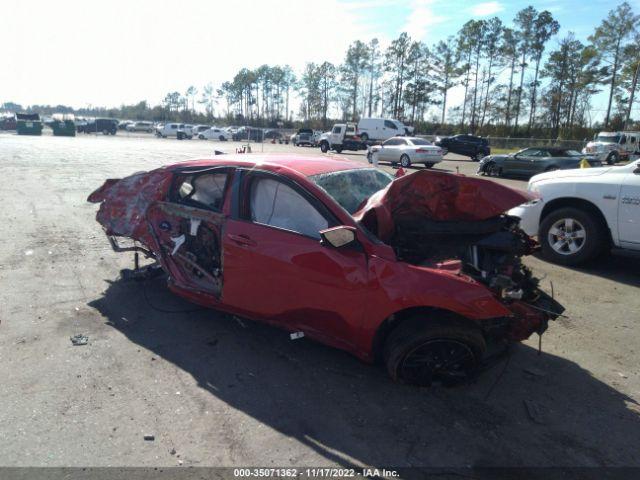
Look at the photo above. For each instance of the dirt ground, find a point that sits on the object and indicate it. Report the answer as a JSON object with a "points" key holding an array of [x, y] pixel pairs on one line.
{"points": [[216, 392]]}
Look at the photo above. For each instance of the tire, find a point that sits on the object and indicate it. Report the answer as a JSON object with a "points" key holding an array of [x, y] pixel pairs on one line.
{"points": [[221, 138], [364, 137], [425, 341], [428, 165], [493, 170], [324, 147], [338, 149], [551, 169], [613, 158], [475, 157], [586, 241], [369, 157], [405, 161], [105, 132]]}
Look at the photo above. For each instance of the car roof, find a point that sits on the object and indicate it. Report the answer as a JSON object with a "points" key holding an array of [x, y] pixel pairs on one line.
{"points": [[306, 165]]}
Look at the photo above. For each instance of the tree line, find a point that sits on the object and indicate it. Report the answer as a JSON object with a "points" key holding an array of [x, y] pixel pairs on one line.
{"points": [[513, 83]]}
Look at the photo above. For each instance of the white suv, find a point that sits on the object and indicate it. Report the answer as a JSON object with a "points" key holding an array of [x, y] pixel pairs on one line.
{"points": [[214, 133], [582, 212], [177, 130]]}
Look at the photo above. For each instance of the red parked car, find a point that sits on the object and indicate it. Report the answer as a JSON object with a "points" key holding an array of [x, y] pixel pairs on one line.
{"points": [[421, 272]]}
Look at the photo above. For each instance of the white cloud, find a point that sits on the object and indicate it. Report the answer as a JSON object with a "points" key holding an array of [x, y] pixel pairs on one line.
{"points": [[421, 17], [125, 51], [486, 8]]}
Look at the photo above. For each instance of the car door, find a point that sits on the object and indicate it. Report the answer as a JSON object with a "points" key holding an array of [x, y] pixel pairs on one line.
{"points": [[629, 210], [187, 227], [390, 129], [389, 150], [276, 269], [336, 135], [538, 162], [520, 163]]}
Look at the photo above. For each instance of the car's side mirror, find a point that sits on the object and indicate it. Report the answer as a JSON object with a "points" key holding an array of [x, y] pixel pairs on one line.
{"points": [[338, 237]]}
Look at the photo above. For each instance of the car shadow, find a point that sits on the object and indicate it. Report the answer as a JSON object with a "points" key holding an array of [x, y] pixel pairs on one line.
{"points": [[618, 266], [530, 409]]}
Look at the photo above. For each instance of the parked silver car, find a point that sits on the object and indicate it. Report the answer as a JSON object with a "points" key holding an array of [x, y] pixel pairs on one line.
{"points": [[406, 151]]}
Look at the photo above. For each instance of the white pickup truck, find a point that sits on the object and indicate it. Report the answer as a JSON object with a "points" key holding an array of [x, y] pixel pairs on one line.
{"points": [[582, 212], [343, 136]]}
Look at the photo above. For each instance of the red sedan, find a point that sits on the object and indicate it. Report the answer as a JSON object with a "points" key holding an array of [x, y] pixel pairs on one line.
{"points": [[421, 272]]}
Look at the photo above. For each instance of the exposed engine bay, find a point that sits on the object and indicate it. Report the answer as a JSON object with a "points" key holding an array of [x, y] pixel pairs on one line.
{"points": [[439, 220]]}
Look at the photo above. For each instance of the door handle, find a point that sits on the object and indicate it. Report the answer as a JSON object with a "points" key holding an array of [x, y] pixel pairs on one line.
{"points": [[242, 240]]}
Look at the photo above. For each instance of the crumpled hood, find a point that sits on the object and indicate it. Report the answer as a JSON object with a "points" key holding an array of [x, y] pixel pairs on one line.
{"points": [[436, 196]]}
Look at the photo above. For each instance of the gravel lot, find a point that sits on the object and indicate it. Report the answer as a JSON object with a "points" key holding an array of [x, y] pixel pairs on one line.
{"points": [[216, 392]]}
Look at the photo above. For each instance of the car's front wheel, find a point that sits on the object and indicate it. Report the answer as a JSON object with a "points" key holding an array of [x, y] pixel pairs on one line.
{"points": [[570, 236], [613, 158], [424, 351], [405, 161], [493, 170]]}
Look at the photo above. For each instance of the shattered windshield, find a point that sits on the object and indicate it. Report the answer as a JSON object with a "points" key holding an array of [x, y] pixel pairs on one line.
{"points": [[352, 187]]}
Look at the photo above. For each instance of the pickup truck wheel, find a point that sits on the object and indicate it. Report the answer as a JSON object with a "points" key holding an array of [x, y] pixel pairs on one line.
{"points": [[405, 161], [221, 138], [364, 137], [424, 351], [338, 149], [613, 158], [570, 236], [324, 147]]}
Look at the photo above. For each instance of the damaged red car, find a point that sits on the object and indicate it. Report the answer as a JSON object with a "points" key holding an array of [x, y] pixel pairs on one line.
{"points": [[421, 272]]}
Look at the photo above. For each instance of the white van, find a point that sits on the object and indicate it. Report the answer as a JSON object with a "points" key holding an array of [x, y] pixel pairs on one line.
{"points": [[380, 129]]}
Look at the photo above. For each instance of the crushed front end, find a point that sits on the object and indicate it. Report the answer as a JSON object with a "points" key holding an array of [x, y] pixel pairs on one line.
{"points": [[453, 222]]}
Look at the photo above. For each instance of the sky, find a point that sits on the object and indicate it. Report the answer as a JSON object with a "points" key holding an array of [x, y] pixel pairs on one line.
{"points": [[82, 53]]}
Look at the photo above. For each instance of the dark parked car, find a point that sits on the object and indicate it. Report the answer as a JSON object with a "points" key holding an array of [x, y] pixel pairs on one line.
{"points": [[272, 135], [532, 161], [467, 145], [248, 133], [108, 126], [8, 123]]}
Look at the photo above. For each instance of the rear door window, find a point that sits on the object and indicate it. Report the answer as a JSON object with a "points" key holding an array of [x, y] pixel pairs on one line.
{"points": [[203, 190], [390, 125]]}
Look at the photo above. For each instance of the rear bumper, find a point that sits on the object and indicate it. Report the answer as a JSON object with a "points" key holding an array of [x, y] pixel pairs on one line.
{"points": [[427, 158]]}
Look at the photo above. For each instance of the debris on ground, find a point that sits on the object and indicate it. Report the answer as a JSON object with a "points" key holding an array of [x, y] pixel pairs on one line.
{"points": [[149, 438], [79, 339], [172, 451]]}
